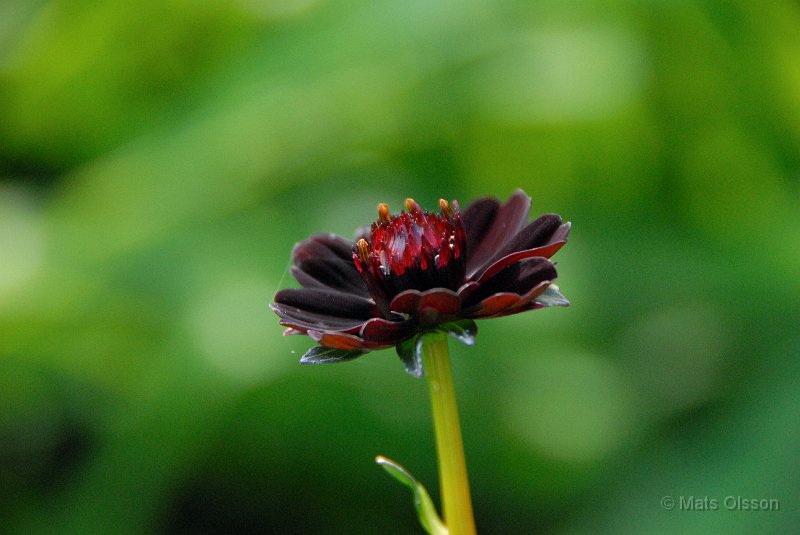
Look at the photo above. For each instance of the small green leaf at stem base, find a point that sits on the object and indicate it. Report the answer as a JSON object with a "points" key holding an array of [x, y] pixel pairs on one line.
{"points": [[325, 355], [462, 330], [410, 351], [426, 512], [552, 297]]}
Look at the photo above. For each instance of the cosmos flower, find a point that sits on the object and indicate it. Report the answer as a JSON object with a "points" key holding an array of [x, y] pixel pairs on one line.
{"points": [[421, 271]]}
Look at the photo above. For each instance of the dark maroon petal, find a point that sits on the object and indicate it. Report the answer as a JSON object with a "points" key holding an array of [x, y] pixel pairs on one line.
{"points": [[534, 292], [306, 280], [535, 234], [492, 305], [429, 307], [503, 304], [344, 341], [561, 233], [437, 305], [519, 278], [537, 298], [405, 302], [442, 300], [466, 289], [478, 218], [303, 320], [516, 309], [331, 302], [333, 273], [386, 331], [526, 299], [545, 251], [533, 305], [323, 246], [327, 260], [510, 219]]}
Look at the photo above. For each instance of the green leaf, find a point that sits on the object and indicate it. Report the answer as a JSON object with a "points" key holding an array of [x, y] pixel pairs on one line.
{"points": [[551, 297], [410, 352], [462, 330], [426, 512], [325, 355]]}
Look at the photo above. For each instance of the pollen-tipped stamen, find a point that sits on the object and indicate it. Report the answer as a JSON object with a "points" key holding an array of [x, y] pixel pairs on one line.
{"points": [[446, 209], [363, 250], [383, 212], [412, 207]]}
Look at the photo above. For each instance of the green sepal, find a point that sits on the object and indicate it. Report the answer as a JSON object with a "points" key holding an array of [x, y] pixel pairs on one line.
{"points": [[426, 511], [410, 352], [462, 330], [325, 355], [552, 297]]}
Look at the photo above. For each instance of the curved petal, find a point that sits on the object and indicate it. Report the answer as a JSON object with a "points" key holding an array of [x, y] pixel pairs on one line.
{"points": [[545, 251], [386, 331], [492, 305], [533, 305], [519, 278], [560, 235], [326, 301], [333, 273], [535, 234], [441, 300], [541, 300], [303, 320], [505, 303], [437, 305], [510, 218], [466, 289], [405, 302], [429, 307], [535, 299], [326, 260], [478, 218], [510, 311], [344, 341], [322, 245]]}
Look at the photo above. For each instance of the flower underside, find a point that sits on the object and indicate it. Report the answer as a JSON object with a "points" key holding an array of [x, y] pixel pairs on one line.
{"points": [[419, 271]]}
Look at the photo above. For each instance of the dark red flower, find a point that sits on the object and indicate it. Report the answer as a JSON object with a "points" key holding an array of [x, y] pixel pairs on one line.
{"points": [[421, 271]]}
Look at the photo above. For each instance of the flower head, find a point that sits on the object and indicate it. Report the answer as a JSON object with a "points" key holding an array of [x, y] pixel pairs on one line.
{"points": [[419, 271]]}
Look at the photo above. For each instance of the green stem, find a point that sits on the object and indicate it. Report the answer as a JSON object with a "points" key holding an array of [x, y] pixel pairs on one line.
{"points": [[457, 503]]}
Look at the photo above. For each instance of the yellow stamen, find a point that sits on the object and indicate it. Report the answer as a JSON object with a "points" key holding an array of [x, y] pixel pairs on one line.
{"points": [[445, 206], [363, 249], [383, 212], [412, 206]]}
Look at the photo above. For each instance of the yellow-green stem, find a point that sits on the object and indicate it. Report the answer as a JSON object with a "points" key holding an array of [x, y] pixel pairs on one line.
{"points": [[456, 500]]}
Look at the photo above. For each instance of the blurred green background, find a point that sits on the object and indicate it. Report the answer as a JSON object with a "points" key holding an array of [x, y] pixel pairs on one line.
{"points": [[158, 160]]}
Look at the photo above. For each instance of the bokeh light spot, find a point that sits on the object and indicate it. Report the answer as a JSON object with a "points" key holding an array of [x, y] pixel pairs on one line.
{"points": [[21, 241], [230, 327], [573, 407], [676, 355], [562, 75]]}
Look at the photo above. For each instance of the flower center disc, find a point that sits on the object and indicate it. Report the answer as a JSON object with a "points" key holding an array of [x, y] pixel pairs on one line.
{"points": [[413, 250]]}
